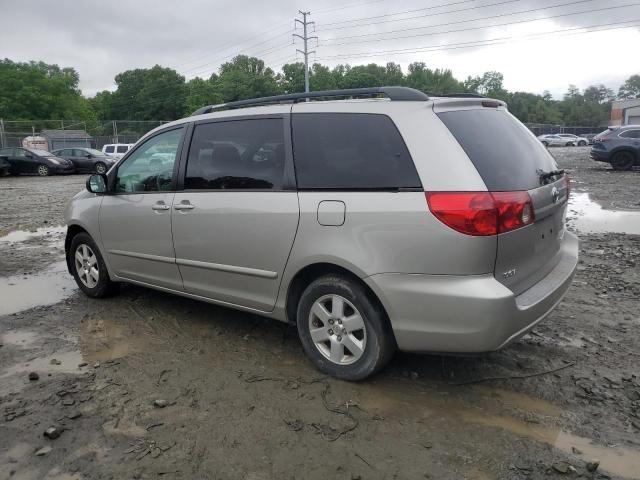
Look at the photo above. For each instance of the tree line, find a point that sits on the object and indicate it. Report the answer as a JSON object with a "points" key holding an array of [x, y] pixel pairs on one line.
{"points": [[36, 90]]}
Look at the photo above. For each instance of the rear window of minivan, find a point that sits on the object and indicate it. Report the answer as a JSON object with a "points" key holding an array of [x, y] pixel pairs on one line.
{"points": [[351, 151], [506, 155]]}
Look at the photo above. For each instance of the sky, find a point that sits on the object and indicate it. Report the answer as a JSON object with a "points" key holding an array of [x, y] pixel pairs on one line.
{"points": [[537, 44]]}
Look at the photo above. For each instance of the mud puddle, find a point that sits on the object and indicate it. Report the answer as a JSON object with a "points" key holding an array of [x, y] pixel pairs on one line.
{"points": [[25, 235], [587, 216], [22, 292], [509, 411]]}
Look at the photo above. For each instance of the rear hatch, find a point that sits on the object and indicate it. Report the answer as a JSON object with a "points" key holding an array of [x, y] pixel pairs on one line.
{"points": [[509, 158]]}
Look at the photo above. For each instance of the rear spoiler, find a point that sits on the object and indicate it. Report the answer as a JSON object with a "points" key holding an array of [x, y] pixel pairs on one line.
{"points": [[447, 104]]}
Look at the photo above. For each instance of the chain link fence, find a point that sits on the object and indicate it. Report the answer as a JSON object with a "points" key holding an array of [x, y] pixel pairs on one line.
{"points": [[99, 133], [548, 128], [94, 134]]}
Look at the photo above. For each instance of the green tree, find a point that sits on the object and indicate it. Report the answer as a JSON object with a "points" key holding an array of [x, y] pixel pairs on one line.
{"points": [[292, 78], [202, 92], [246, 77], [630, 88], [489, 84], [432, 81], [322, 78], [149, 94], [36, 90]]}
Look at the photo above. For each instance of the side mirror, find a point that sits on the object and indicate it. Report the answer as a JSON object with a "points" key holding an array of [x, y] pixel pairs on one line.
{"points": [[97, 183]]}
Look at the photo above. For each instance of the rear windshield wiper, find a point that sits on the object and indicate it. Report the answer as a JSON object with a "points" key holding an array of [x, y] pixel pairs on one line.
{"points": [[544, 176]]}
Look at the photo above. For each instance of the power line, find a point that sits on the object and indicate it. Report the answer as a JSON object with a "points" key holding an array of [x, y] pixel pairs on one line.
{"points": [[432, 7], [482, 43], [466, 9], [493, 25], [457, 22]]}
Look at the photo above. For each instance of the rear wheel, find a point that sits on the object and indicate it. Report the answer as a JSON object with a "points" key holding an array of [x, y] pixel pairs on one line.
{"points": [[582, 143], [623, 161], [568, 144], [100, 168], [43, 170], [88, 267], [344, 332]]}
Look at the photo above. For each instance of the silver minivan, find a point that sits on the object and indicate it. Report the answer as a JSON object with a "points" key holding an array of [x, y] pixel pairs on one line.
{"points": [[374, 219]]}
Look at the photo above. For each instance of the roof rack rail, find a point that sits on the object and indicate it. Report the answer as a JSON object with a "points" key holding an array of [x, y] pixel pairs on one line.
{"points": [[405, 94], [462, 95]]}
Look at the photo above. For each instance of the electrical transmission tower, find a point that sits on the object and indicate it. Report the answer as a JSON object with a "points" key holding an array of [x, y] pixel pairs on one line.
{"points": [[305, 38]]}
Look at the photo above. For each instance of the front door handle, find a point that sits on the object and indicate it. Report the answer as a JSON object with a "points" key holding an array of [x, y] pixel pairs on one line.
{"points": [[160, 206], [184, 205]]}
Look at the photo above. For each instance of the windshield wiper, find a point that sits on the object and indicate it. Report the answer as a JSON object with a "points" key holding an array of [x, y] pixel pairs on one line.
{"points": [[544, 176]]}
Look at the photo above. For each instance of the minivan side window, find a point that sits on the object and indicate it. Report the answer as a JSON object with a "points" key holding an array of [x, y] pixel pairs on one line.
{"points": [[109, 149], [351, 151], [150, 167], [237, 154]]}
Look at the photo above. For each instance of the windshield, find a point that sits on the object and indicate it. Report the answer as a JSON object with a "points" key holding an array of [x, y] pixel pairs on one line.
{"points": [[40, 153]]}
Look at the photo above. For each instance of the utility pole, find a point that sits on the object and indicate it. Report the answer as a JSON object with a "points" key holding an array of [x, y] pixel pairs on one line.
{"points": [[306, 51]]}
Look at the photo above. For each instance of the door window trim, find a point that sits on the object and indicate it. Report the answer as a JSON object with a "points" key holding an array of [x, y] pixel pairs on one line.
{"points": [[621, 134], [289, 183], [113, 174]]}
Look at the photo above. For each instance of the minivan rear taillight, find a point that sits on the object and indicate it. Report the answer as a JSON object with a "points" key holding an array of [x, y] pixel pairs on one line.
{"points": [[482, 213]]}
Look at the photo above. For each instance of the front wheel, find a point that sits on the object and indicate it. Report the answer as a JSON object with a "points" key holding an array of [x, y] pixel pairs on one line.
{"points": [[622, 161], [100, 168], [43, 170], [343, 331], [88, 267], [582, 143]]}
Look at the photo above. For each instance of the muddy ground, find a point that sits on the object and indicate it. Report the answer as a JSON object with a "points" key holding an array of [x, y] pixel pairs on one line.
{"points": [[239, 400]]}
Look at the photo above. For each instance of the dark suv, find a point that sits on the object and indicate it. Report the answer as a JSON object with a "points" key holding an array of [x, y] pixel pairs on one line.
{"points": [[619, 146]]}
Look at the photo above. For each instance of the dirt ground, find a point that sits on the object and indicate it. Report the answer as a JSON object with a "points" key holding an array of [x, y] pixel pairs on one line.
{"points": [[148, 385]]}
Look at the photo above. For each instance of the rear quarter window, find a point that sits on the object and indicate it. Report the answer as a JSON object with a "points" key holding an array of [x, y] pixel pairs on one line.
{"points": [[506, 155], [350, 151]]}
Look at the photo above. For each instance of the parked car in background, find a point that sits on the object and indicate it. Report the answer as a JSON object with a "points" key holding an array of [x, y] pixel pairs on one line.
{"points": [[619, 146], [117, 149], [87, 160], [355, 236], [554, 140], [31, 160], [4, 165], [589, 137], [575, 139]]}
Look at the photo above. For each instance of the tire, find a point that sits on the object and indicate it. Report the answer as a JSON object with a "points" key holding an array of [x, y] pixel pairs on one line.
{"points": [[100, 168], [82, 268], [623, 161], [365, 330], [43, 171], [582, 143], [569, 144]]}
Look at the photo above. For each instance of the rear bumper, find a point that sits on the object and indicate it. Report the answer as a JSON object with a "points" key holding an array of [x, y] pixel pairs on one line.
{"points": [[469, 314]]}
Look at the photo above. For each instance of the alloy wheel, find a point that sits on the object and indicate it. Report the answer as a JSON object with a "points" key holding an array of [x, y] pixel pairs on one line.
{"points": [[337, 329], [87, 265], [100, 168], [43, 170]]}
